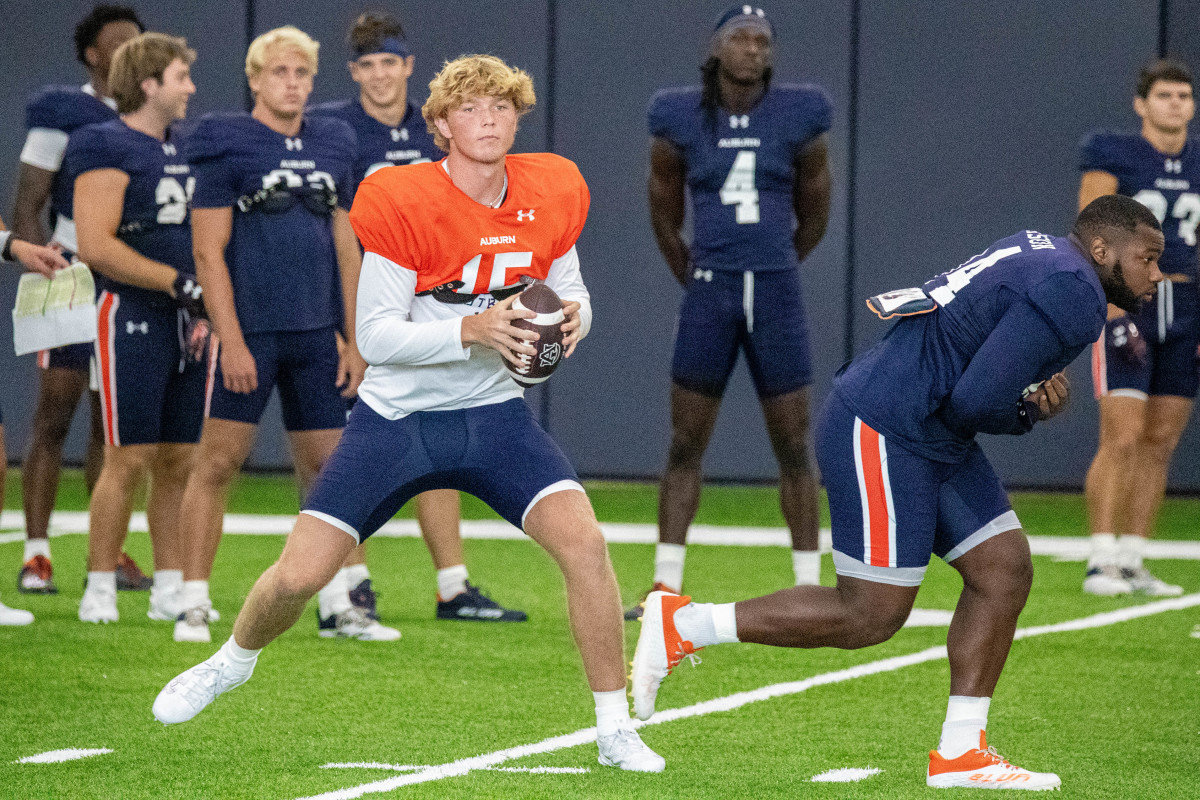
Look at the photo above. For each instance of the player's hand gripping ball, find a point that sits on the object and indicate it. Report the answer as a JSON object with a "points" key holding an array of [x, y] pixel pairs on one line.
{"points": [[541, 300]]}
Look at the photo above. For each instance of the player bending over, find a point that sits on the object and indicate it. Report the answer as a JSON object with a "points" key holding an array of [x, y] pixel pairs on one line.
{"points": [[906, 479], [437, 398]]}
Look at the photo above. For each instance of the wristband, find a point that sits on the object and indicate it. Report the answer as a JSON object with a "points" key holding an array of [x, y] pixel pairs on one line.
{"points": [[6, 248]]}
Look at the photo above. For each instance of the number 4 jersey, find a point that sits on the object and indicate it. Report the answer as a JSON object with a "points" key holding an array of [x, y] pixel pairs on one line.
{"points": [[154, 217], [740, 171]]}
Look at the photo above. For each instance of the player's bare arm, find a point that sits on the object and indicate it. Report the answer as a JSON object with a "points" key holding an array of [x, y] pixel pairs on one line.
{"points": [[494, 329], [33, 190], [99, 198], [37, 258], [666, 187], [810, 195], [211, 231], [351, 365]]}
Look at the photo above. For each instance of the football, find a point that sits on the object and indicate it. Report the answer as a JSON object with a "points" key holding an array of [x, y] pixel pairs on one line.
{"points": [[540, 299]]}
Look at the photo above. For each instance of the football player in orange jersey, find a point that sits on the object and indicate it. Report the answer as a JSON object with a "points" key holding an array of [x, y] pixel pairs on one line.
{"points": [[448, 247]]}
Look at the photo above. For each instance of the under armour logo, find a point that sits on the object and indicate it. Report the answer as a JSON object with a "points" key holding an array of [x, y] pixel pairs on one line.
{"points": [[400, 134], [703, 275], [294, 144], [1173, 165], [752, 11], [139, 327], [736, 121], [525, 215], [168, 148]]}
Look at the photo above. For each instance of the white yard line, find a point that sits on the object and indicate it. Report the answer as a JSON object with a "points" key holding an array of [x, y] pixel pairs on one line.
{"points": [[733, 701], [1073, 548]]}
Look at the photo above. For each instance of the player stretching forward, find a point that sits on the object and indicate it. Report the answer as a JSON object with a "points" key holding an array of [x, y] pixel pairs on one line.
{"points": [[131, 196], [1145, 366], [753, 157], [437, 394], [390, 131], [43, 260], [52, 114], [272, 236], [896, 446]]}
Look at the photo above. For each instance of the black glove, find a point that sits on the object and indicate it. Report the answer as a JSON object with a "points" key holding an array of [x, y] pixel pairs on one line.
{"points": [[1126, 340], [189, 295]]}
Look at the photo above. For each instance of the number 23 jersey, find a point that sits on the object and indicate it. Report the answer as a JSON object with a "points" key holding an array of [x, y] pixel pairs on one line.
{"points": [[420, 231], [741, 171]]}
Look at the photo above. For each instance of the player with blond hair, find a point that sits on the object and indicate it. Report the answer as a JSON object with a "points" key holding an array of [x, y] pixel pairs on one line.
{"points": [[449, 245]]}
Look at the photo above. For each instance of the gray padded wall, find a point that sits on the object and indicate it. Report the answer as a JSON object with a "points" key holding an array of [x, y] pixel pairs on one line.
{"points": [[610, 404]]}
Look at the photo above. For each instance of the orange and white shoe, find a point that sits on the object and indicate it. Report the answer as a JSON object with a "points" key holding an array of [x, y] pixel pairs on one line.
{"points": [[659, 649], [985, 769]]}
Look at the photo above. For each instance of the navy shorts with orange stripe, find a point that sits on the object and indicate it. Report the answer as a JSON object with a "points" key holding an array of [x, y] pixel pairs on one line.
{"points": [[149, 393], [891, 508]]}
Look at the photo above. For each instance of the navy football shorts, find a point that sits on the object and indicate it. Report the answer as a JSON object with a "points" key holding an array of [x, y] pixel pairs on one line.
{"points": [[149, 393], [761, 313], [1172, 365], [76, 357], [496, 452], [891, 509], [302, 363]]}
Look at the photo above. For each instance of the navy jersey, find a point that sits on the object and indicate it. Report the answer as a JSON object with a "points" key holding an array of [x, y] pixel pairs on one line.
{"points": [[283, 265], [154, 217], [382, 145], [1007, 318], [66, 109], [740, 171]]}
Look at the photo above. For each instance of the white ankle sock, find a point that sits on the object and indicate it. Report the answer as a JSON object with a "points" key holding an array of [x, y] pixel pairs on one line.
{"points": [[195, 594], [37, 547], [806, 564], [334, 598], [452, 581], [703, 624], [240, 655], [966, 718], [356, 574], [102, 581], [668, 565], [1104, 550], [1131, 550], [612, 711], [167, 581]]}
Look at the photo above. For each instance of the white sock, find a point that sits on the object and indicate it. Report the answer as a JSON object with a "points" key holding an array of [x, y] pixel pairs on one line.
{"points": [[334, 598], [668, 565], [452, 581], [102, 582], [37, 547], [806, 564], [239, 655], [356, 574], [612, 711], [195, 594], [966, 718], [1131, 549], [703, 624], [167, 581], [1104, 550]]}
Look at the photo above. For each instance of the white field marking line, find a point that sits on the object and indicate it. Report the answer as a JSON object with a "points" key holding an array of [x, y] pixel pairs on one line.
{"points": [[739, 699], [58, 756], [412, 768], [1066, 548], [845, 775]]}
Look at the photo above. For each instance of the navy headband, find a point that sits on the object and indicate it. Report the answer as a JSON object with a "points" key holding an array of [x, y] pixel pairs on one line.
{"points": [[393, 45], [739, 17]]}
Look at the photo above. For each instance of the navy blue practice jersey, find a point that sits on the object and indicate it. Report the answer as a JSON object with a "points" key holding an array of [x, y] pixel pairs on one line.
{"points": [[281, 257], [1006, 319], [740, 171], [154, 217], [382, 145], [66, 109]]}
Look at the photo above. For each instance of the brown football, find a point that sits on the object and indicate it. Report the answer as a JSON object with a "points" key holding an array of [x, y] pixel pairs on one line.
{"points": [[540, 299]]}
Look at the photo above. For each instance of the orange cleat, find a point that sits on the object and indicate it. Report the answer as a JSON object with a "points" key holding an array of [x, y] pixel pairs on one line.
{"points": [[985, 769], [659, 649], [37, 577]]}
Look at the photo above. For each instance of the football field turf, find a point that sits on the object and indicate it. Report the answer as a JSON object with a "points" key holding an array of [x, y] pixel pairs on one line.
{"points": [[1103, 691]]}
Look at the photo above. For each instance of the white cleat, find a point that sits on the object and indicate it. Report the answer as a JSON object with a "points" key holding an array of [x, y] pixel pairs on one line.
{"points": [[1143, 582], [165, 606], [985, 769], [192, 625], [1106, 580], [14, 616], [98, 605], [659, 649], [626, 750], [189, 693], [355, 624]]}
